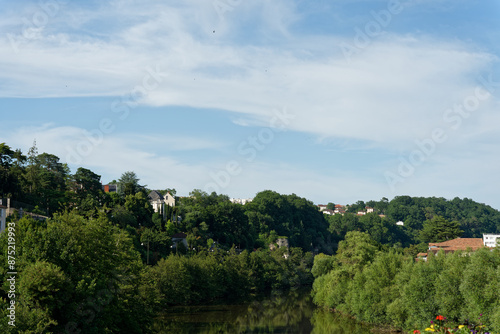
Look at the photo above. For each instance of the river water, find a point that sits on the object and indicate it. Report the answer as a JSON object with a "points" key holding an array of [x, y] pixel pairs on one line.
{"points": [[291, 312]]}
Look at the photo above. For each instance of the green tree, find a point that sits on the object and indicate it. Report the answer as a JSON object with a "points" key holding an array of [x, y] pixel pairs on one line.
{"points": [[356, 251], [139, 206], [87, 182], [79, 272], [128, 184], [439, 229]]}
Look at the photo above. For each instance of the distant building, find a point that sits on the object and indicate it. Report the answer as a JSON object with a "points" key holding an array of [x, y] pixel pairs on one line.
{"points": [[369, 210], [491, 240], [158, 201], [280, 242], [450, 246], [400, 223], [328, 212], [241, 201], [179, 238], [339, 209], [322, 207], [110, 188]]}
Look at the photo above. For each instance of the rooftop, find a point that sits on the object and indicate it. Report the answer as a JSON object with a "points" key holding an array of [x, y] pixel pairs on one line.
{"points": [[457, 244]]}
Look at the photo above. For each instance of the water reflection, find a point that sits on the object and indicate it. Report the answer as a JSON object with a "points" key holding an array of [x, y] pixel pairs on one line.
{"points": [[292, 312]]}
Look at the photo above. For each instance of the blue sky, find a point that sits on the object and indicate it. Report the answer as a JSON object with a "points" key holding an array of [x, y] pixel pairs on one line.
{"points": [[336, 101]]}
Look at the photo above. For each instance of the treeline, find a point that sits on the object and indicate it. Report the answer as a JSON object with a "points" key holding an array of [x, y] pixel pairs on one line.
{"points": [[383, 286], [46, 184], [474, 218], [255, 225], [85, 275], [418, 215], [227, 276]]}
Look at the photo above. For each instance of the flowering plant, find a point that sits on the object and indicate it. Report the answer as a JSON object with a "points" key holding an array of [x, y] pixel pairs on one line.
{"points": [[438, 327], [468, 328]]}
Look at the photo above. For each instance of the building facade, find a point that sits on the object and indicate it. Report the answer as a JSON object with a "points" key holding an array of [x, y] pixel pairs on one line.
{"points": [[491, 240]]}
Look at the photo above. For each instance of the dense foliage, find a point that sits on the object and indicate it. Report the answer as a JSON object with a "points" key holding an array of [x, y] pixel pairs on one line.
{"points": [[98, 259], [425, 220], [74, 273], [383, 286], [227, 276]]}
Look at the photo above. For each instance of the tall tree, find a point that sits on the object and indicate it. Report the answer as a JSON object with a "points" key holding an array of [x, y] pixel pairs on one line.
{"points": [[128, 184], [439, 229]]}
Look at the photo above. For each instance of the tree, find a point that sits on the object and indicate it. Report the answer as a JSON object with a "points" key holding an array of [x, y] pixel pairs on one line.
{"points": [[330, 206], [140, 208], [87, 182], [128, 184], [357, 250], [11, 170], [439, 229]]}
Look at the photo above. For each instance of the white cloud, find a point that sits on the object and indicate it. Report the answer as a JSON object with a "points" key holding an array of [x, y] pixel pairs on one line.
{"points": [[389, 93]]}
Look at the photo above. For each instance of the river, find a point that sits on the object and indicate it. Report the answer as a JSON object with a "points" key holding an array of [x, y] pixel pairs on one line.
{"points": [[291, 312]]}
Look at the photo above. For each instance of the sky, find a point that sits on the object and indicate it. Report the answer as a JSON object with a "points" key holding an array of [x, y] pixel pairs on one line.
{"points": [[335, 101]]}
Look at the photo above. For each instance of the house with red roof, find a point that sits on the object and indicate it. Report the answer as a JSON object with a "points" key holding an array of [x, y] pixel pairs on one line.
{"points": [[450, 246]]}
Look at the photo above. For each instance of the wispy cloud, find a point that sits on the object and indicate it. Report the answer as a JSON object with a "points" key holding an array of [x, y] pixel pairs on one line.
{"points": [[249, 59]]}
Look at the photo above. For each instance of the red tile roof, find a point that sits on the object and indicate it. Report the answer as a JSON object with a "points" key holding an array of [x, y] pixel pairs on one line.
{"points": [[457, 244]]}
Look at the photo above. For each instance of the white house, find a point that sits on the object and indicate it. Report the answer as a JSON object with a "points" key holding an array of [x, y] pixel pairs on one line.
{"points": [[241, 201], [490, 240], [158, 201], [322, 207]]}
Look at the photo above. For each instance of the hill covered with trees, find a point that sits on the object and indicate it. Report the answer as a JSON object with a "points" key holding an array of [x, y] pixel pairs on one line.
{"points": [[101, 257]]}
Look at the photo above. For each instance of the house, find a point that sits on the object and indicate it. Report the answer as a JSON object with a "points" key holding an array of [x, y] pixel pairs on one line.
{"points": [[400, 223], [282, 242], [322, 207], [110, 188], [339, 209], [421, 256], [158, 201], [361, 213], [369, 210], [179, 238], [491, 240], [450, 246], [241, 201], [328, 212], [169, 199]]}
